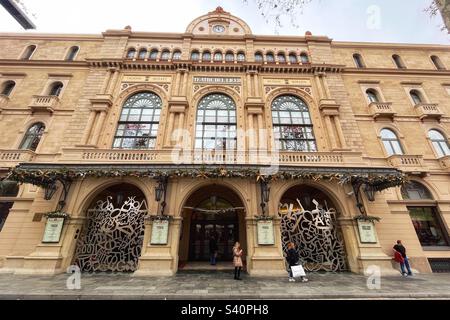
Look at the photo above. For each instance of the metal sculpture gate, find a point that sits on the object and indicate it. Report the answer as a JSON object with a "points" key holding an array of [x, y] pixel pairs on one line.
{"points": [[316, 236], [112, 238]]}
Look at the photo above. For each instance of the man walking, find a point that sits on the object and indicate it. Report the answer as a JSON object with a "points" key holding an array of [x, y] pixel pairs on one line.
{"points": [[213, 250], [399, 248]]}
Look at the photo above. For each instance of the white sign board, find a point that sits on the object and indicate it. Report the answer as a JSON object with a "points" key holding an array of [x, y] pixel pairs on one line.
{"points": [[367, 232], [265, 232], [160, 232], [53, 230]]}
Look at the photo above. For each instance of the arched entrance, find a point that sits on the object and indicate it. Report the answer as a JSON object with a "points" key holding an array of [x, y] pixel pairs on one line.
{"points": [[213, 211], [113, 234], [309, 219]]}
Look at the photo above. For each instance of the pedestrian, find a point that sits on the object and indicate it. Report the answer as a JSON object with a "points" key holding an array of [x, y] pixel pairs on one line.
{"points": [[400, 250], [237, 260], [293, 259], [213, 250]]}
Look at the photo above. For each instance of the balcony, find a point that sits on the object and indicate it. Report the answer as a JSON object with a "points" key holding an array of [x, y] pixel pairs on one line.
{"points": [[382, 110], [10, 158], [4, 99], [407, 163], [44, 104], [428, 111]]}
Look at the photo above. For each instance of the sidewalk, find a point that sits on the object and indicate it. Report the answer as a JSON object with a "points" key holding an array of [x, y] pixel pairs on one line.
{"points": [[220, 285]]}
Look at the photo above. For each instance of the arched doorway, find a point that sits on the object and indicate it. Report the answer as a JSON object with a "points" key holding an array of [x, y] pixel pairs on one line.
{"points": [[211, 211], [309, 219], [113, 234]]}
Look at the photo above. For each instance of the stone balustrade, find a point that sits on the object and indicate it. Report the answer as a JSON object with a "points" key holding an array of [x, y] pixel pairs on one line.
{"points": [[428, 110], [382, 110]]}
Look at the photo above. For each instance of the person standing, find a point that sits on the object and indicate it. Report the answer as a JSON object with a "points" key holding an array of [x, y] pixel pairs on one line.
{"points": [[213, 250], [399, 248], [293, 259], [237, 260]]}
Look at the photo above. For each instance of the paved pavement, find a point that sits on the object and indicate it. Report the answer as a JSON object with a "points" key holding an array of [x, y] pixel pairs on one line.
{"points": [[220, 285]]}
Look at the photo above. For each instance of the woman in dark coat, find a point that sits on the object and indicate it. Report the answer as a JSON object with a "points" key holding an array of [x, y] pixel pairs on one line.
{"points": [[293, 259]]}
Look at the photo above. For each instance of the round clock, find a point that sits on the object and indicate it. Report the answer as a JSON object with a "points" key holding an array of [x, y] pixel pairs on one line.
{"points": [[219, 29]]}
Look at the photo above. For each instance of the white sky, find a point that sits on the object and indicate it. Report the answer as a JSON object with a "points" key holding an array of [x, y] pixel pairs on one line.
{"points": [[401, 21]]}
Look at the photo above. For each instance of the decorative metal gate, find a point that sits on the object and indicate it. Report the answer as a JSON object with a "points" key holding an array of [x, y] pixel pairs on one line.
{"points": [[316, 236], [112, 238]]}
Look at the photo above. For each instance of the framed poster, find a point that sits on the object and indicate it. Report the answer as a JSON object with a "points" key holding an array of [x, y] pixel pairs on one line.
{"points": [[160, 232], [265, 232], [53, 229], [367, 232]]}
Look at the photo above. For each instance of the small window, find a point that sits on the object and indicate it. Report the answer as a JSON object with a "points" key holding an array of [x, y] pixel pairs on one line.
{"points": [[72, 53], [241, 57], [165, 55], [229, 56], [8, 87], [358, 61], [415, 191], [304, 57], [195, 56], [218, 57], [32, 137], [28, 52], [56, 88], [153, 54], [176, 55], [131, 53], [372, 95], [429, 227], [258, 57], [398, 61], [391, 143], [281, 58], [438, 63], [206, 56], [440, 143], [292, 58], [416, 96], [270, 57], [142, 54]]}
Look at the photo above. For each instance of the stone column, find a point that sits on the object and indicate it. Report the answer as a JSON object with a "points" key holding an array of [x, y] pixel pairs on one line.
{"points": [[184, 87], [249, 85], [88, 129], [331, 132], [180, 126], [170, 129], [98, 127], [340, 133], [113, 82], [176, 87]]}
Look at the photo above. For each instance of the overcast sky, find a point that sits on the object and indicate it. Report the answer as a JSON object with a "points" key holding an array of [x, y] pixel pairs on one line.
{"points": [[401, 21]]}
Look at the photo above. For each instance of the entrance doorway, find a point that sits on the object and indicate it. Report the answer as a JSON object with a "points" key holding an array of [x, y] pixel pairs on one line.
{"points": [[211, 214]]}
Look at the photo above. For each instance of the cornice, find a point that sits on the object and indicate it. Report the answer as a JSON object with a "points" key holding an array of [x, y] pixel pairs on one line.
{"points": [[394, 71], [51, 36], [40, 63], [381, 45]]}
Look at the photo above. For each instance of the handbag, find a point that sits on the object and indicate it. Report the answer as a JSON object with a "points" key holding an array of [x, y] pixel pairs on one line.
{"points": [[398, 257], [298, 271]]}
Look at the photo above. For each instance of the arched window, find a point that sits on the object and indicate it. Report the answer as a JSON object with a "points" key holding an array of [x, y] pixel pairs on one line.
{"points": [[72, 53], [176, 55], [438, 63], [8, 87], [304, 57], [358, 60], [415, 191], [281, 58], [258, 57], [229, 56], [165, 55], [154, 54], [206, 56], [241, 57], [216, 123], [142, 54], [139, 122], [292, 58], [28, 52], [416, 96], [33, 136], [391, 142], [372, 95], [131, 53], [398, 61], [270, 57], [55, 89], [292, 125], [218, 57], [195, 56], [440, 143]]}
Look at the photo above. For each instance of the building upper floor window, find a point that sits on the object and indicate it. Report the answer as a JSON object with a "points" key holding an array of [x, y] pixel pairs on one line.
{"points": [[292, 58], [206, 56], [195, 56], [439, 142], [8, 87], [358, 60], [131, 53], [176, 55], [258, 57], [139, 122], [391, 143], [229, 56], [281, 58], [304, 57], [372, 95], [241, 57], [437, 63], [71, 55], [154, 54], [142, 54], [398, 61], [32, 137], [218, 57], [216, 123], [56, 88], [416, 96], [270, 57], [415, 191], [292, 125], [165, 55], [28, 53]]}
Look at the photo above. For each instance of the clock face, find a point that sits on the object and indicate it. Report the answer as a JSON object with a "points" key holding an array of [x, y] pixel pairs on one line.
{"points": [[219, 29]]}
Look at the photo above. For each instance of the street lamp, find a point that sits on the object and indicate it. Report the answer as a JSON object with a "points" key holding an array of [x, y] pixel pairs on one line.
{"points": [[369, 190], [265, 193], [49, 191], [160, 193]]}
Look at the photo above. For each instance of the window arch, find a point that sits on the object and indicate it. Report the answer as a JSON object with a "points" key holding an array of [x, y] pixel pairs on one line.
{"points": [[437, 63], [292, 58], [270, 57], [359, 62], [414, 190], [72, 53], [195, 56], [56, 88], [32, 137], [139, 122], [258, 57], [241, 56], [28, 52], [398, 61], [142, 54], [131, 53], [218, 56], [8, 87], [439, 142], [372, 95], [206, 56], [391, 142], [176, 55], [292, 125], [229, 56], [281, 57], [416, 96], [304, 57], [154, 54], [165, 55], [216, 123]]}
